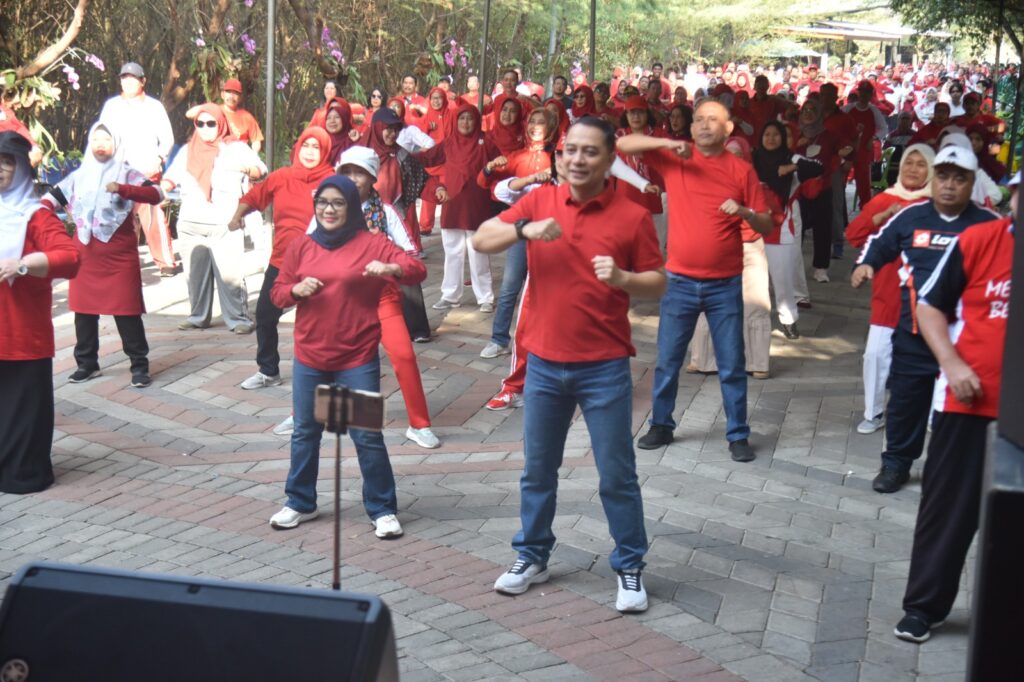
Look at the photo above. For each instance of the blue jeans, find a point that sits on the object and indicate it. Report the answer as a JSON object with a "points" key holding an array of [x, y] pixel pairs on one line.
{"points": [[511, 284], [379, 496], [604, 392], [721, 300]]}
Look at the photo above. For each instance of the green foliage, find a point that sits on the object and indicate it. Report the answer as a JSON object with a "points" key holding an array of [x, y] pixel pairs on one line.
{"points": [[974, 20]]}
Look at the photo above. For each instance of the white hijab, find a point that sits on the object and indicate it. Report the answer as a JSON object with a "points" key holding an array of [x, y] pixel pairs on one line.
{"points": [[95, 211], [17, 205]]}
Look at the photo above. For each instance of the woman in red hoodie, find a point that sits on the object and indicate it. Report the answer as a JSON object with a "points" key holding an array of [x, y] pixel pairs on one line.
{"points": [[289, 190]]}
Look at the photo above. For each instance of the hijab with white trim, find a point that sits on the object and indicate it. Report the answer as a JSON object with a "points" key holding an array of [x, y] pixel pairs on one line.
{"points": [[19, 201]]}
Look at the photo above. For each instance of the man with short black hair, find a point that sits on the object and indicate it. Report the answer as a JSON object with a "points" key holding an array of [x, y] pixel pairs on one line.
{"points": [[560, 91], [415, 103], [584, 237]]}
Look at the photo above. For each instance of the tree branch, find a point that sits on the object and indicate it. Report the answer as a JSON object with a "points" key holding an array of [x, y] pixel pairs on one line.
{"points": [[52, 53], [313, 26]]}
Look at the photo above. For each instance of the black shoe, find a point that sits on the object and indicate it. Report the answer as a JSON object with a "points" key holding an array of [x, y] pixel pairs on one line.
{"points": [[889, 480], [914, 629], [81, 374], [790, 331], [658, 436], [141, 380], [741, 451]]}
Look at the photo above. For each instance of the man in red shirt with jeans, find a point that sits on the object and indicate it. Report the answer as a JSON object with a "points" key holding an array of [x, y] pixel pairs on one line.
{"points": [[710, 194], [589, 249]]}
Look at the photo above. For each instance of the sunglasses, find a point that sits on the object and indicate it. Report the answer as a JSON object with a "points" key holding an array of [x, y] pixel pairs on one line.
{"points": [[206, 124]]}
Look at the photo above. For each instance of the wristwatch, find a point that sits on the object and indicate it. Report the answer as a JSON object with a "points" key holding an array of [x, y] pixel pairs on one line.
{"points": [[22, 269], [520, 224]]}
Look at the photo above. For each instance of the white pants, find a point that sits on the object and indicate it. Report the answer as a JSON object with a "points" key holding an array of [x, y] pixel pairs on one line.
{"points": [[782, 270], [877, 359], [757, 320], [456, 243], [800, 280]]}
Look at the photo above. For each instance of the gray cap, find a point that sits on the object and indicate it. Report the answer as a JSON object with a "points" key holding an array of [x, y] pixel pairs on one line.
{"points": [[361, 157], [133, 69]]}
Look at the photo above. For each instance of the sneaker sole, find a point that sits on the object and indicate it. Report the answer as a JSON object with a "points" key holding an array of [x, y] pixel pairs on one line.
{"points": [[541, 577], [633, 609], [389, 536], [281, 526], [95, 374], [652, 446], [263, 385], [423, 444], [907, 637], [141, 384]]}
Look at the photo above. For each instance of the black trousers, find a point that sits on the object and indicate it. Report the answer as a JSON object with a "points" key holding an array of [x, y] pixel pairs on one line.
{"points": [[26, 425], [816, 214], [133, 341], [906, 418], [267, 316], [414, 312], [948, 516]]}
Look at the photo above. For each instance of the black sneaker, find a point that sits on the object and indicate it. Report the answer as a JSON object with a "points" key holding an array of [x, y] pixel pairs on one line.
{"points": [[658, 436], [141, 380], [81, 374], [741, 451], [790, 331], [914, 628], [889, 480]]}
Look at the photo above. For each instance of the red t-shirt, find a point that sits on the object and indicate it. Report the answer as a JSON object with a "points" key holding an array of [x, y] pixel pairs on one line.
{"points": [[841, 127], [243, 125], [575, 317], [27, 306], [972, 286], [338, 328], [764, 110], [292, 193], [704, 242]]}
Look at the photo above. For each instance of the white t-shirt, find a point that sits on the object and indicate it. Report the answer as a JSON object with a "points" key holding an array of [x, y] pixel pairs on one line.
{"points": [[144, 129], [228, 183]]}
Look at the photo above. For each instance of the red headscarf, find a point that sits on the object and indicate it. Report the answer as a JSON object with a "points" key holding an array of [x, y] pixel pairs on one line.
{"points": [[322, 169], [590, 106], [563, 116], [389, 177], [465, 155], [340, 141], [743, 146], [438, 117], [202, 154], [508, 138]]}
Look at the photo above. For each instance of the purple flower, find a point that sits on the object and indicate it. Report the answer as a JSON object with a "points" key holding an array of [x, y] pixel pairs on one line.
{"points": [[230, 28], [452, 42], [200, 42], [248, 3], [325, 35], [448, 59], [248, 44], [281, 84], [337, 55], [464, 62], [96, 62]]}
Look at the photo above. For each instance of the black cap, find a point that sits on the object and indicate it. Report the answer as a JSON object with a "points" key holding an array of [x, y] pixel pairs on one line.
{"points": [[17, 146]]}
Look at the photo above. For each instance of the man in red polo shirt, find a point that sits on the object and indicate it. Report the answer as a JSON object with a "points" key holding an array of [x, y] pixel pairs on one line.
{"points": [[589, 249], [962, 312], [710, 194]]}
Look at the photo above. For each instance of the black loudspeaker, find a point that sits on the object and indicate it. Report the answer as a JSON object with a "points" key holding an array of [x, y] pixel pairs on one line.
{"points": [[995, 652], [1011, 395], [71, 623]]}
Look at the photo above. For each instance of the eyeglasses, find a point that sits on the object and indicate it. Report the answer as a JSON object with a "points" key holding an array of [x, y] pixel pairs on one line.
{"points": [[206, 124], [376, 95], [324, 204]]}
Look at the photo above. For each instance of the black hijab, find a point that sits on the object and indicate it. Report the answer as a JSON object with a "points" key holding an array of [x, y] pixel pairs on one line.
{"points": [[767, 163], [354, 220]]}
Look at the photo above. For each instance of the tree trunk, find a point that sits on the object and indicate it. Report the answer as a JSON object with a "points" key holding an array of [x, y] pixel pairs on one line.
{"points": [[54, 52]]}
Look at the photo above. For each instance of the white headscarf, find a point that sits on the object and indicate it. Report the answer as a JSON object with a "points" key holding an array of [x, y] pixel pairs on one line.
{"points": [[17, 204], [95, 211], [902, 191]]}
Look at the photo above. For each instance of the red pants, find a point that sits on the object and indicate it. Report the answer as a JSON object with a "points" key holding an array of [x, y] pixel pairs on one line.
{"points": [[427, 211], [398, 346], [410, 221], [158, 234], [862, 176], [515, 382]]}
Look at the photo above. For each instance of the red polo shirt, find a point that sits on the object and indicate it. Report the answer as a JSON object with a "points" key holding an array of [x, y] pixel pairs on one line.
{"points": [[575, 317], [703, 242]]}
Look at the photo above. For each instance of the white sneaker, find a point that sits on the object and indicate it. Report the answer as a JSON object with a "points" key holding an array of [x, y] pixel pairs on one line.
{"points": [[285, 428], [821, 276], [518, 579], [387, 526], [289, 518], [493, 350], [424, 437], [869, 426], [632, 597], [260, 380], [487, 307], [445, 305]]}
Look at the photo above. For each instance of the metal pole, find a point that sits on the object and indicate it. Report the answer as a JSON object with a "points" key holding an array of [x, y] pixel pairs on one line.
{"points": [[269, 128], [593, 41], [483, 57]]}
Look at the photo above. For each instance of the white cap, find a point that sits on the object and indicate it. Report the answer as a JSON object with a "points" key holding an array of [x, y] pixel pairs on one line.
{"points": [[955, 136], [363, 157], [954, 155]]}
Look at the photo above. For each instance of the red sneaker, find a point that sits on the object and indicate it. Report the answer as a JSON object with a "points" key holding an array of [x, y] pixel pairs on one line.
{"points": [[504, 400]]}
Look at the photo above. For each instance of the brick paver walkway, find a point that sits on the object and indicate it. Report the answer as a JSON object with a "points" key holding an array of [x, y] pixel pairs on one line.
{"points": [[785, 569]]}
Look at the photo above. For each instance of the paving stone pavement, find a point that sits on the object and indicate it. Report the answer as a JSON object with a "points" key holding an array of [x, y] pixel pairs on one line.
{"points": [[788, 568]]}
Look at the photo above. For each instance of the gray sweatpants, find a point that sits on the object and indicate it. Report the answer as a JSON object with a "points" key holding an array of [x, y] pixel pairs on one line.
{"points": [[213, 253]]}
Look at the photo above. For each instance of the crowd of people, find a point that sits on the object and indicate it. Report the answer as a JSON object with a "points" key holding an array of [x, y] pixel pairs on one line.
{"points": [[695, 187]]}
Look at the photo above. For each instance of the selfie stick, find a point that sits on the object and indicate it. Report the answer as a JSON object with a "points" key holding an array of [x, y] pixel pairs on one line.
{"points": [[337, 423]]}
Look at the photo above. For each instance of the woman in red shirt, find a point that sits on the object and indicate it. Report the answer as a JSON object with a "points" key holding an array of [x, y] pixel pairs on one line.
{"points": [[34, 249], [336, 119], [913, 184], [100, 196], [816, 143], [288, 189], [434, 124], [583, 103], [335, 276]]}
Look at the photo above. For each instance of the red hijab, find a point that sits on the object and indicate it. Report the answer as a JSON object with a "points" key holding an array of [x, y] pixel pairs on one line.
{"points": [[590, 106], [340, 141], [508, 138], [322, 169], [438, 117], [563, 116], [389, 177], [202, 154], [465, 155]]}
